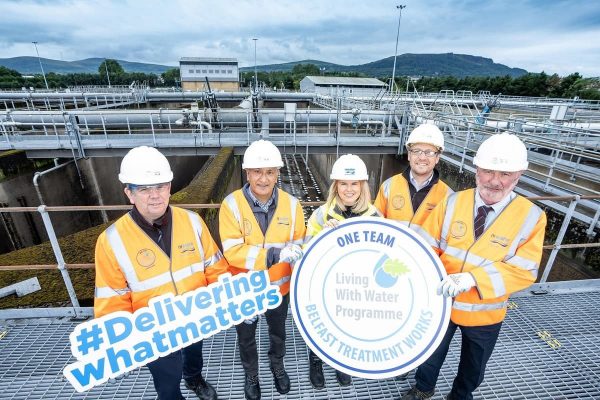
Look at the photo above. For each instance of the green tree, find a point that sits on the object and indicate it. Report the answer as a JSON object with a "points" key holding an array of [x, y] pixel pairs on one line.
{"points": [[303, 70], [171, 77], [113, 66]]}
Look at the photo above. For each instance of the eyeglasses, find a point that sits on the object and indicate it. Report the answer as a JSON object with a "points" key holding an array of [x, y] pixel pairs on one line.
{"points": [[147, 189], [427, 153]]}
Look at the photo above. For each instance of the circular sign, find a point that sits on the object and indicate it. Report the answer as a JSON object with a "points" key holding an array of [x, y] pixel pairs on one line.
{"points": [[364, 298]]}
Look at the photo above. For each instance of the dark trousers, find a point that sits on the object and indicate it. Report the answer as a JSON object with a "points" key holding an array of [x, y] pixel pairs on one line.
{"points": [[167, 371], [476, 349], [246, 334]]}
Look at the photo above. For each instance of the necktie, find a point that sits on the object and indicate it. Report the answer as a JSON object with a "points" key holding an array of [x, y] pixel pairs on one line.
{"points": [[479, 222]]}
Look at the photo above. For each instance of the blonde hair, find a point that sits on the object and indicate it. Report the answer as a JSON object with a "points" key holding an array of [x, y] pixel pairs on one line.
{"points": [[362, 203]]}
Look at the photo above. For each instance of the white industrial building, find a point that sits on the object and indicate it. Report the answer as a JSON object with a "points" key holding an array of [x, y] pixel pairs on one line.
{"points": [[222, 73], [342, 86]]}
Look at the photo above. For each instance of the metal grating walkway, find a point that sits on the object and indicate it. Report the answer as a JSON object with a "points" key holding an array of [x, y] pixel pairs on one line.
{"points": [[548, 349]]}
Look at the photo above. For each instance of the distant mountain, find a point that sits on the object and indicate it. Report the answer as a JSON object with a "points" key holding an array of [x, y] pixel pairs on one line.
{"points": [[31, 65], [448, 64]]}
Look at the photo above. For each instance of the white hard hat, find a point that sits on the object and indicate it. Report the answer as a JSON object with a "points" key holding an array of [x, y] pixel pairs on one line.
{"points": [[426, 133], [262, 154], [145, 166], [349, 168], [502, 152]]}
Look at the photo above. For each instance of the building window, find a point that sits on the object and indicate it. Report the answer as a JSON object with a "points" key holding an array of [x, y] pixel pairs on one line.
{"points": [[210, 71], [229, 71], [197, 71], [203, 71], [223, 71], [191, 71]]}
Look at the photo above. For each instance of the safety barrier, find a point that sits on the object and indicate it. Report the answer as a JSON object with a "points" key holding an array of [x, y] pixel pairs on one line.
{"points": [[63, 267]]}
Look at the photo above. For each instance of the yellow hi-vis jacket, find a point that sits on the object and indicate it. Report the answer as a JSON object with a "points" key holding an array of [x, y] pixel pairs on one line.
{"points": [[244, 245], [394, 202], [131, 268], [330, 211], [504, 260]]}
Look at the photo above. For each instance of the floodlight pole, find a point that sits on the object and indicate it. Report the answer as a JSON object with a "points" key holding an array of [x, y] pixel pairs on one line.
{"points": [[40, 60], [393, 83], [106, 68], [255, 76]]}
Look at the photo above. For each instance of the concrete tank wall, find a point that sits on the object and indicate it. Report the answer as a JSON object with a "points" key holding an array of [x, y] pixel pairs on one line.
{"points": [[63, 187], [376, 163]]}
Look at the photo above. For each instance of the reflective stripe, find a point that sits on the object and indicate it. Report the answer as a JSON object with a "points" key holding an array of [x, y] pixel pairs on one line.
{"points": [[526, 228], [488, 266], [425, 235], [229, 243], [107, 292], [276, 245], [496, 280], [197, 267], [154, 282], [466, 256], [320, 216], [231, 203], [386, 188], [525, 264], [116, 243], [118, 248], [213, 260], [184, 273], [293, 205], [197, 225], [450, 206], [281, 281], [299, 242], [251, 257], [459, 305]]}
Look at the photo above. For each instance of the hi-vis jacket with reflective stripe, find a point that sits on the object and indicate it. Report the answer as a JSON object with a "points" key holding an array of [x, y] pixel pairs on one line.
{"points": [[244, 245], [131, 269], [504, 260], [394, 202], [330, 211]]}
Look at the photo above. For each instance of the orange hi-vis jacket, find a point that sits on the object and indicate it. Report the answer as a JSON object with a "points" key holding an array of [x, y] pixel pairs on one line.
{"points": [[394, 202], [131, 268], [244, 245], [504, 260]]}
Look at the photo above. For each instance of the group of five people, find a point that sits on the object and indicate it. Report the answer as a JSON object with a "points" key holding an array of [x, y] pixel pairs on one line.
{"points": [[488, 238]]}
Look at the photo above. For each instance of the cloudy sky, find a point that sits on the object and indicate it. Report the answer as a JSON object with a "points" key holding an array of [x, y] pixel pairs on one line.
{"points": [[538, 35]]}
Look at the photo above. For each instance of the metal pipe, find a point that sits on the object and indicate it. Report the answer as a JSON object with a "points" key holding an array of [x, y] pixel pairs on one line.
{"points": [[39, 174]]}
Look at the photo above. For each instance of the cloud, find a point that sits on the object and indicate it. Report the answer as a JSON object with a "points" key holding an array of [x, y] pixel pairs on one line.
{"points": [[554, 36]]}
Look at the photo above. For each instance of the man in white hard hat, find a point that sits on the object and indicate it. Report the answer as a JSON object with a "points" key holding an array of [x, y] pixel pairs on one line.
{"points": [[152, 250], [262, 227], [490, 242], [410, 196]]}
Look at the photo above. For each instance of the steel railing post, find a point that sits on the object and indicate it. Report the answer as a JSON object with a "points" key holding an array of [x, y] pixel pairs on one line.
{"points": [[59, 257], [559, 238]]}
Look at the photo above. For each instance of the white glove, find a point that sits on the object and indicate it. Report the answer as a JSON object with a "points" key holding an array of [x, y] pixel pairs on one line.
{"points": [[290, 253], [455, 284], [331, 223]]}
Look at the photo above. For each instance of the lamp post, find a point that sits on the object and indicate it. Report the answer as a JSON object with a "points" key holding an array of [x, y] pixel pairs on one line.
{"points": [[255, 76], [106, 68], [40, 60], [393, 83]]}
